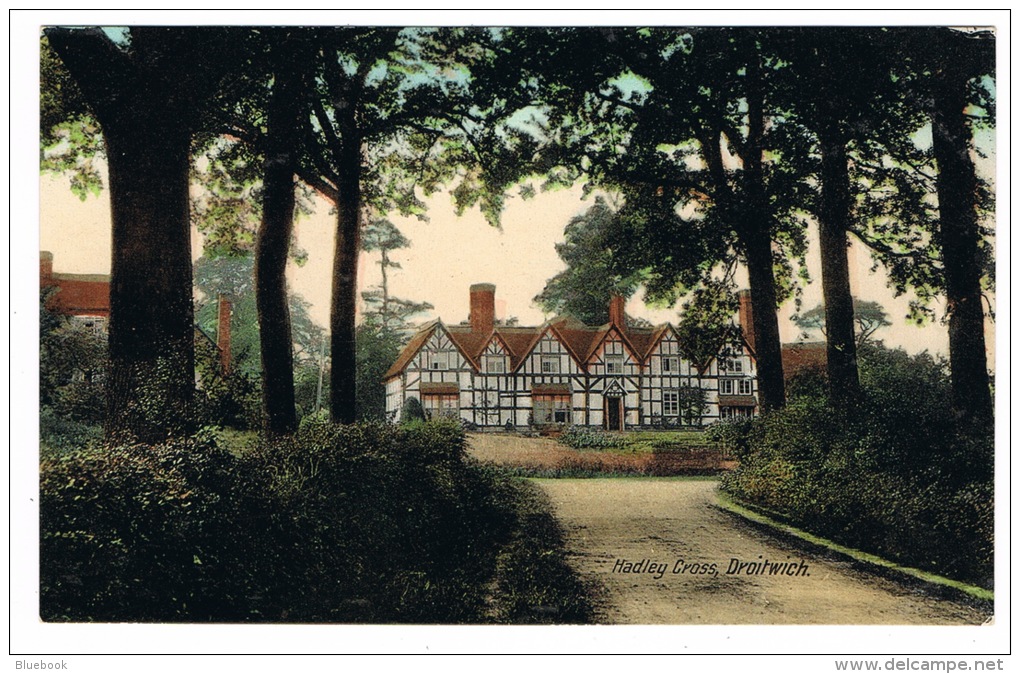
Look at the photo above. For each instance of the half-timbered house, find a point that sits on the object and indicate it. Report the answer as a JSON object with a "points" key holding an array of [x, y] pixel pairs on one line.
{"points": [[564, 372]]}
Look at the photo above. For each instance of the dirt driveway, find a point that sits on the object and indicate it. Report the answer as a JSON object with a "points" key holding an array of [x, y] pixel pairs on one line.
{"points": [[666, 555]]}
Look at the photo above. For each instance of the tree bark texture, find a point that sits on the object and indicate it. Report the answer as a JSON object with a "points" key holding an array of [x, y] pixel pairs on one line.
{"points": [[833, 223], [146, 120], [959, 237], [342, 381], [754, 229], [278, 201], [768, 346]]}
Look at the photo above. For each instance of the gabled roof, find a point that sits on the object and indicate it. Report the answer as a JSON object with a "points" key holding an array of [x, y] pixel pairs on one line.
{"points": [[646, 340], [411, 350], [625, 334], [518, 342]]}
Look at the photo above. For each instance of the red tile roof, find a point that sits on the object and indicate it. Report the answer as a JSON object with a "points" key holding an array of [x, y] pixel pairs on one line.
{"points": [[803, 356], [413, 346]]}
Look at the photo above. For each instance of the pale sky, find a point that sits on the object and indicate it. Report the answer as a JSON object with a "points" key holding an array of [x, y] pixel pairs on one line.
{"points": [[448, 254]]}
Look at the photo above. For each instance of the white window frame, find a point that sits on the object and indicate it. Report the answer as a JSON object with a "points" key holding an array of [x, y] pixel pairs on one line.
{"points": [[614, 364], [736, 412], [671, 403], [495, 364], [550, 365], [441, 405], [670, 365], [551, 409], [439, 360], [744, 387], [727, 387]]}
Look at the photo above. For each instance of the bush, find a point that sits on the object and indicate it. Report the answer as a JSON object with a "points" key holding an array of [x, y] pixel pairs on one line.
{"points": [[412, 411], [891, 474], [363, 523], [58, 434], [582, 437]]}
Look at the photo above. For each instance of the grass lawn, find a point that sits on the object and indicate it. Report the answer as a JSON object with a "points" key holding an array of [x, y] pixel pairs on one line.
{"points": [[649, 441]]}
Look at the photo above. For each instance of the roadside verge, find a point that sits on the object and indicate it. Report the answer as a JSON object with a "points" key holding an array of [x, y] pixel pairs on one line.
{"points": [[914, 579]]}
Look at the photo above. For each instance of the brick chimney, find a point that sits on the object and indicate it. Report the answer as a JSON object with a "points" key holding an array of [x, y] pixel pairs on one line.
{"points": [[223, 333], [483, 307], [746, 317], [45, 268], [617, 315]]}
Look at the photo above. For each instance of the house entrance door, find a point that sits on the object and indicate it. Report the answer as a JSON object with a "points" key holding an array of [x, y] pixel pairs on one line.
{"points": [[614, 414]]}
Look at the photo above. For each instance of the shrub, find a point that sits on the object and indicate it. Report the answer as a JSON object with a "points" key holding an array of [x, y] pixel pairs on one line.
{"points": [[891, 474], [412, 411], [731, 435], [581, 437], [338, 523], [58, 434]]}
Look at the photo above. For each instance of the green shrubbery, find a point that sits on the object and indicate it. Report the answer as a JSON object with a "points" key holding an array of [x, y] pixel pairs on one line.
{"points": [[892, 474], [581, 437], [361, 523], [343, 524]]}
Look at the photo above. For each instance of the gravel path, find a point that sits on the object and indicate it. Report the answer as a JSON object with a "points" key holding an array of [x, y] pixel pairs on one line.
{"points": [[616, 529]]}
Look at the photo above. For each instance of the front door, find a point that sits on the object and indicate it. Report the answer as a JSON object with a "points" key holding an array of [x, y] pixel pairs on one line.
{"points": [[614, 414]]}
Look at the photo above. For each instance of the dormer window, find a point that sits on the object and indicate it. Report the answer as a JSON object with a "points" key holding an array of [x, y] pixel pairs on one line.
{"points": [[550, 364], [439, 360], [614, 365], [731, 365], [494, 364]]}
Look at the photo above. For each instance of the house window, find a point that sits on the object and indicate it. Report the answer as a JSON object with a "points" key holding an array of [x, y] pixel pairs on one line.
{"points": [[495, 364], [614, 365], [551, 409], [736, 412], [671, 403], [670, 365], [439, 360], [550, 364], [441, 405], [94, 324], [731, 365], [729, 387]]}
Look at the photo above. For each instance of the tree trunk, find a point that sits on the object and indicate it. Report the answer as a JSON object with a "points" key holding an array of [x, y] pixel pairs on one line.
{"points": [[755, 232], [959, 237], [768, 347], [275, 340], [342, 403], [841, 347], [152, 350], [147, 99]]}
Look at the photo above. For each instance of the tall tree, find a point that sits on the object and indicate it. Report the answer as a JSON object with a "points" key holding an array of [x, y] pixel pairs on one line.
{"points": [[287, 115], [147, 89], [397, 114], [683, 122], [389, 313], [583, 289], [869, 317], [959, 59]]}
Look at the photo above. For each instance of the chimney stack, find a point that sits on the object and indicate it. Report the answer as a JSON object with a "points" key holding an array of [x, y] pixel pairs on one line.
{"points": [[746, 318], [223, 333], [45, 267], [617, 315], [483, 307]]}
